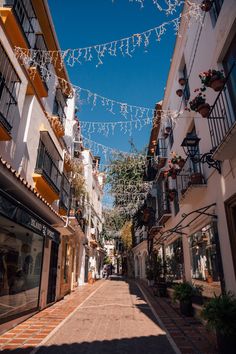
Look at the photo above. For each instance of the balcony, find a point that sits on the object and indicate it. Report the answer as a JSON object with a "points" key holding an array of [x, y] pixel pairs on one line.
{"points": [[20, 22], [59, 106], [164, 211], [9, 88], [36, 70], [47, 177], [190, 182], [64, 203], [161, 153], [222, 120]]}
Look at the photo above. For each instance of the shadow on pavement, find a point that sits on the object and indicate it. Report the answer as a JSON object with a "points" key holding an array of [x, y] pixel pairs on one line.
{"points": [[136, 345]]}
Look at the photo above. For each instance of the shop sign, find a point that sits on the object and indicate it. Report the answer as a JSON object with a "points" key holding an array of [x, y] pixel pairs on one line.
{"points": [[12, 210]]}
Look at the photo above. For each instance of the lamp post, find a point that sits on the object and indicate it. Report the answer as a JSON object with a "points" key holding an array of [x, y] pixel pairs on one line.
{"points": [[190, 146]]}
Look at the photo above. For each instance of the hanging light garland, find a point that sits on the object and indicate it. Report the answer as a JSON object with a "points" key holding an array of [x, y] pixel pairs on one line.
{"points": [[172, 5], [85, 95], [125, 46]]}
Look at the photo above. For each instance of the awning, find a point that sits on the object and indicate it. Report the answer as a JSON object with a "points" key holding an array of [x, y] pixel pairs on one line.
{"points": [[182, 226]]}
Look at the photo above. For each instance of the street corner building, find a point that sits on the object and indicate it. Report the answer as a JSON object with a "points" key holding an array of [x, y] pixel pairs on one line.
{"points": [[43, 226], [188, 220]]}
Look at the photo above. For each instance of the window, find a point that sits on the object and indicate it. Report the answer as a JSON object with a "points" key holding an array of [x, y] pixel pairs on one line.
{"points": [[230, 207], [186, 87], [59, 105], [9, 90], [20, 269], [215, 10], [229, 64]]}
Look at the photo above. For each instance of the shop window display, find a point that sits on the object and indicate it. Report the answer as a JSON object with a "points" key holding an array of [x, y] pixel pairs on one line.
{"points": [[203, 255], [174, 260], [20, 269]]}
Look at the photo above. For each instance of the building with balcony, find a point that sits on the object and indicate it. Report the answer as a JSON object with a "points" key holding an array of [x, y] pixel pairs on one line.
{"points": [[196, 189], [38, 239]]}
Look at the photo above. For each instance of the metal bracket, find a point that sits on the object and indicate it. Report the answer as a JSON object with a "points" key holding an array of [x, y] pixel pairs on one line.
{"points": [[207, 158]]}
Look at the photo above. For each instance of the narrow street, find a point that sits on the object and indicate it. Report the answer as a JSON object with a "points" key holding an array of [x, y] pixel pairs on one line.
{"points": [[115, 319]]}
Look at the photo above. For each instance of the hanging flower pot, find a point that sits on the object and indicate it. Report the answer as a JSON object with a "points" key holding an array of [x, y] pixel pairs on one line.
{"points": [[212, 78], [179, 92], [217, 84], [198, 104], [204, 109], [206, 5], [181, 163], [182, 81]]}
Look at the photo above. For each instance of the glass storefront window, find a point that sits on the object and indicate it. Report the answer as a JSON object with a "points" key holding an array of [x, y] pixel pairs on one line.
{"points": [[203, 255], [21, 253]]}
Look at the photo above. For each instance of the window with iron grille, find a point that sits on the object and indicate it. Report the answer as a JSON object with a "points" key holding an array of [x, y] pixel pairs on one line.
{"points": [[9, 90], [43, 66], [24, 12]]}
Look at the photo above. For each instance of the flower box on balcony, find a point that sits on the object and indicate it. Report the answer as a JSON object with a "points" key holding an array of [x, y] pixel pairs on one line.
{"points": [[198, 104], [212, 78], [57, 126], [206, 5]]}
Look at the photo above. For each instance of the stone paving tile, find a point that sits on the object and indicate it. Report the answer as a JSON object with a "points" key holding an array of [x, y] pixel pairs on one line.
{"points": [[115, 320], [189, 334], [35, 329]]}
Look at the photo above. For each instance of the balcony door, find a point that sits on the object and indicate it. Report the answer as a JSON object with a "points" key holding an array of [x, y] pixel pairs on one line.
{"points": [[229, 64]]}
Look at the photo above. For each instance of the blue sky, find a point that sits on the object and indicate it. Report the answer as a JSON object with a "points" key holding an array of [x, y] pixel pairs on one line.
{"points": [[139, 80]]}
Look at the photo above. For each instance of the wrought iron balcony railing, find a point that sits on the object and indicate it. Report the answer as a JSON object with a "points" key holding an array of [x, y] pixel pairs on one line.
{"points": [[42, 66], [164, 210], [47, 168], [26, 17], [222, 116], [191, 175], [65, 193], [59, 106], [9, 89]]}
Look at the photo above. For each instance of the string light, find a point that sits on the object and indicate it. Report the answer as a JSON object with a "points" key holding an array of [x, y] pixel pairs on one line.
{"points": [[125, 46], [168, 11]]}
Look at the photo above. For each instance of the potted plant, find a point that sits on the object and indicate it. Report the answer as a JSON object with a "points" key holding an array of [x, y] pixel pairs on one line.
{"points": [[172, 172], [177, 160], [179, 92], [198, 104], [220, 314], [212, 78], [184, 293], [206, 5], [182, 81]]}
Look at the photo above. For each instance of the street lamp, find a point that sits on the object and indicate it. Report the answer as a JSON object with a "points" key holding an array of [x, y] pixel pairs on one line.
{"points": [[190, 146]]}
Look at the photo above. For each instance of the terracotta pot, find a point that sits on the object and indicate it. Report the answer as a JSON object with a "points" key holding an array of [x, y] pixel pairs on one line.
{"points": [[217, 84], [204, 109], [168, 130], [179, 92], [209, 279], [182, 81], [186, 308], [196, 178], [206, 5], [181, 163]]}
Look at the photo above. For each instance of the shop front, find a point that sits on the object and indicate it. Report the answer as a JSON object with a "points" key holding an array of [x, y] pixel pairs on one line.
{"points": [[22, 239], [203, 255]]}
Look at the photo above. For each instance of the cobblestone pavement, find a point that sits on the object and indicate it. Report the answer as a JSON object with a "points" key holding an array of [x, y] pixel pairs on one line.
{"points": [[113, 317]]}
